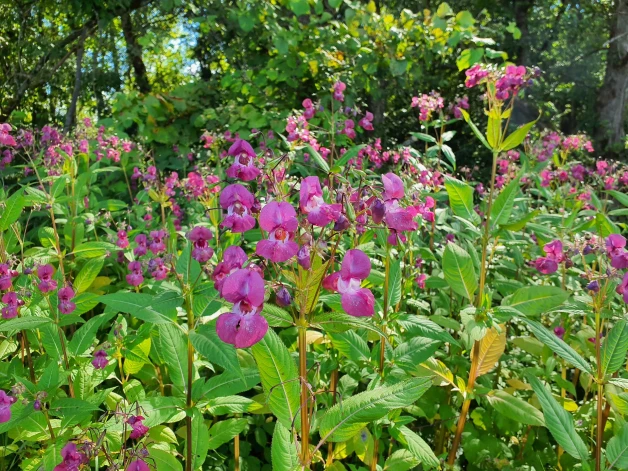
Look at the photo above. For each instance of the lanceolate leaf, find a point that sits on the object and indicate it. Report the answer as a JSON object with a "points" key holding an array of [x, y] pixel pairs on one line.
{"points": [[207, 343], [502, 207], [615, 347], [459, 271], [557, 345], [536, 300], [283, 451], [146, 307], [222, 432], [559, 422], [517, 136], [461, 199], [515, 408], [200, 439], [492, 347], [617, 449], [394, 283], [346, 419], [279, 378], [12, 210], [173, 349], [421, 450]]}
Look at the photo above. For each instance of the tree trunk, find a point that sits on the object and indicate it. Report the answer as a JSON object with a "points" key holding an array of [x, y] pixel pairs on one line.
{"points": [[70, 116], [134, 53], [522, 14], [611, 100]]}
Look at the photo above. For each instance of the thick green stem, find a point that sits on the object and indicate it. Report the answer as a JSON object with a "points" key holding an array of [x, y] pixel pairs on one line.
{"points": [[451, 459]]}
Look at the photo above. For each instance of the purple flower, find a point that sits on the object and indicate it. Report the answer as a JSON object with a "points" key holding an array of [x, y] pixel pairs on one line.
{"points": [[279, 220], [615, 244], [199, 236], [141, 240], [367, 122], [232, 259], [622, 289], [12, 303], [238, 201], [378, 211], [137, 465], [159, 271], [339, 87], [123, 241], [420, 280], [46, 284], [312, 203], [355, 300], [135, 278], [304, 257], [594, 286], [554, 250], [139, 429], [6, 402], [283, 297], [37, 404], [243, 167], [100, 360], [72, 458], [6, 277], [157, 244], [66, 305], [559, 331], [244, 326], [545, 265]]}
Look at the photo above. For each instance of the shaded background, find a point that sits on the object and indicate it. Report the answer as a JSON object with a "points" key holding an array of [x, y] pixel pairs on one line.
{"points": [[163, 71]]}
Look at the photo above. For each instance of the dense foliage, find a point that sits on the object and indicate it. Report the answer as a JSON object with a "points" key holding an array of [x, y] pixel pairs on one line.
{"points": [[297, 301]]}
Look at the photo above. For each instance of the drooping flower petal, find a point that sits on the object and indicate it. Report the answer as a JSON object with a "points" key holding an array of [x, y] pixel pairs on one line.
{"points": [[355, 264], [360, 303]]}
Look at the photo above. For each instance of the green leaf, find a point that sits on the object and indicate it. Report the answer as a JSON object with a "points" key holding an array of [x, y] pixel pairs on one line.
{"points": [[557, 345], [494, 130], [276, 316], [351, 345], [283, 450], [535, 300], [615, 348], [559, 422], [279, 376], [340, 322], [23, 323], [619, 196], [345, 419], [299, 7], [230, 383], [520, 223], [145, 307], [231, 405], [200, 439], [347, 156], [50, 378], [187, 267], [394, 283], [206, 342], [88, 274], [459, 271], [605, 226], [398, 67], [516, 137], [164, 460], [424, 137], [221, 432], [84, 337], [174, 351], [414, 352], [94, 249], [318, 158], [461, 199], [502, 208], [12, 209], [160, 409], [401, 460], [419, 326], [515, 408], [617, 449], [417, 446], [475, 129]]}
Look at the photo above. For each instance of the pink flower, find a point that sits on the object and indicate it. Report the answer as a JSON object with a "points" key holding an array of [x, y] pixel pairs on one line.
{"points": [[622, 289], [141, 249], [397, 218], [238, 201], [554, 250], [475, 75], [349, 129], [312, 203], [157, 244], [367, 122], [232, 259], [139, 429], [100, 360], [199, 236], [122, 241], [44, 273], [6, 402], [420, 280], [355, 267], [244, 165], [393, 187], [279, 220], [546, 266], [601, 167], [615, 244], [309, 109], [66, 305], [244, 326], [72, 458], [137, 465], [159, 271], [6, 277], [12, 303], [135, 278], [559, 331], [339, 87]]}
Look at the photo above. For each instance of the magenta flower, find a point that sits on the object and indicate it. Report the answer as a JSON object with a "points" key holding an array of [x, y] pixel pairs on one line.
{"points": [[420, 280], [142, 245], [72, 458], [159, 271], [66, 305], [355, 300], [545, 265], [137, 465], [12, 303], [157, 244], [6, 277], [139, 429], [244, 326], [135, 278], [366, 123], [280, 221], [554, 250], [304, 258], [312, 203], [238, 201], [199, 236], [615, 244], [622, 289], [100, 360], [123, 241], [339, 87], [243, 167], [397, 218], [6, 402], [559, 331], [232, 259], [46, 284]]}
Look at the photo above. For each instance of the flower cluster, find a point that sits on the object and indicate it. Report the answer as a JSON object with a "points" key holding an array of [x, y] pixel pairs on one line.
{"points": [[428, 104]]}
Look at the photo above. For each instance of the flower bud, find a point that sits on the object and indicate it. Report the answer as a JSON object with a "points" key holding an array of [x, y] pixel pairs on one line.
{"points": [[303, 257], [283, 297], [342, 223], [37, 405], [378, 211], [594, 286]]}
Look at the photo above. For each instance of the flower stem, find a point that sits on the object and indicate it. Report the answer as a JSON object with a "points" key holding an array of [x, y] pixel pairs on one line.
{"points": [[600, 391], [478, 303], [305, 425], [190, 312]]}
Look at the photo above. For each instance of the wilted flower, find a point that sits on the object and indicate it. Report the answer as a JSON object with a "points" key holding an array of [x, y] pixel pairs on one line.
{"points": [[559, 331], [283, 297]]}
